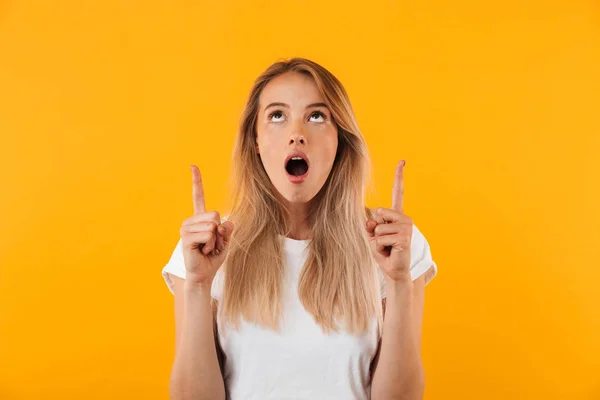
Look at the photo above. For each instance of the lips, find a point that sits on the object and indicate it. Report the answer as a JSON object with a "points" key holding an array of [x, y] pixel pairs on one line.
{"points": [[297, 166]]}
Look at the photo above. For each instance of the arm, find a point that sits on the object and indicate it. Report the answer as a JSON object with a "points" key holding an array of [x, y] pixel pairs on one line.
{"points": [[196, 373], [397, 368]]}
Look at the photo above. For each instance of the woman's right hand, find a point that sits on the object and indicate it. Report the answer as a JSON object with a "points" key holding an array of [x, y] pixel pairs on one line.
{"points": [[205, 240]]}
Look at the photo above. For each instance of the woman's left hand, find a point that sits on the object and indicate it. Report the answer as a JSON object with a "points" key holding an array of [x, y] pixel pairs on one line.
{"points": [[390, 233]]}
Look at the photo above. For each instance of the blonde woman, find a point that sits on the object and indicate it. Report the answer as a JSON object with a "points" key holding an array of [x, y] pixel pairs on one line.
{"points": [[301, 292]]}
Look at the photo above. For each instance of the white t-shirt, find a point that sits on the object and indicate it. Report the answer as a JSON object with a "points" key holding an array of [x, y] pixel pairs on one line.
{"points": [[301, 362]]}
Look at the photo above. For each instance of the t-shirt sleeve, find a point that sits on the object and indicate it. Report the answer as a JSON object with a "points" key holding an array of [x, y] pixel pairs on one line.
{"points": [[176, 267], [420, 259]]}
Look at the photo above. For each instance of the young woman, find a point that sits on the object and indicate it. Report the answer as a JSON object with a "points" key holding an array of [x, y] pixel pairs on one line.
{"points": [[291, 304]]}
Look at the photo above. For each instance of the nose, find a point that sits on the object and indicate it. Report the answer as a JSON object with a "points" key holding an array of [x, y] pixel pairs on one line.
{"points": [[297, 138]]}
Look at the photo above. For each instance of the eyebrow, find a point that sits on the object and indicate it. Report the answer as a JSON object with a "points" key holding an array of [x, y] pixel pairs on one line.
{"points": [[284, 105]]}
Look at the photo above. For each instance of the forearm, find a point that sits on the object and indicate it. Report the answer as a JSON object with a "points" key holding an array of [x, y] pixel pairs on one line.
{"points": [[196, 373], [399, 373]]}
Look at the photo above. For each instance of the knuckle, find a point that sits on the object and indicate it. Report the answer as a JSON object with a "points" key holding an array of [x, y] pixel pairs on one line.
{"points": [[200, 238], [211, 216]]}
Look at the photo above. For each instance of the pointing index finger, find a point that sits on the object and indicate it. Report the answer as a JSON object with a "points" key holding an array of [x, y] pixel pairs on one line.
{"points": [[197, 191], [398, 190]]}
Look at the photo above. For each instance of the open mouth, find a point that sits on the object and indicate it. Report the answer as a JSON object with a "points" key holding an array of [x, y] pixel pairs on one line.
{"points": [[296, 166]]}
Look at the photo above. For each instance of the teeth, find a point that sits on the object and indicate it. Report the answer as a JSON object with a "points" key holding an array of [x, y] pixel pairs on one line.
{"points": [[297, 158]]}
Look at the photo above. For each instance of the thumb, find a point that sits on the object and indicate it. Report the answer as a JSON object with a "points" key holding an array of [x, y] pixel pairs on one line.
{"points": [[370, 226], [225, 230], [376, 250]]}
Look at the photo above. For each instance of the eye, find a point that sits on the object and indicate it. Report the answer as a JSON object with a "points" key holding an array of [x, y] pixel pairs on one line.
{"points": [[277, 114], [318, 114]]}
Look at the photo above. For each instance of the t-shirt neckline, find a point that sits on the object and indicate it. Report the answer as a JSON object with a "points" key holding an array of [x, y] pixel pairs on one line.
{"points": [[294, 245]]}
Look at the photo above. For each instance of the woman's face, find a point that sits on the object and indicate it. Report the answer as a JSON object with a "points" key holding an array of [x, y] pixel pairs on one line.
{"points": [[293, 117]]}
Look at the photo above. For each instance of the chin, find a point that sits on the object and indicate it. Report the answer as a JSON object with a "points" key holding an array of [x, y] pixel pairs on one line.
{"points": [[297, 198], [297, 195]]}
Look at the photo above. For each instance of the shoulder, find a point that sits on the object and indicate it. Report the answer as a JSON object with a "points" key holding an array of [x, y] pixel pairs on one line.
{"points": [[175, 269], [421, 256], [421, 260]]}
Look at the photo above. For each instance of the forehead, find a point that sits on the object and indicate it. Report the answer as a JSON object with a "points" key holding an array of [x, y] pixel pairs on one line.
{"points": [[292, 88]]}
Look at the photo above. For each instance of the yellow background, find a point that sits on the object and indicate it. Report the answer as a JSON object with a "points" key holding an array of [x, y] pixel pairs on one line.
{"points": [[105, 104]]}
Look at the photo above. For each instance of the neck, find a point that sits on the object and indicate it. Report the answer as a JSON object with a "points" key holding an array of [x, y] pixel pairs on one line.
{"points": [[296, 220]]}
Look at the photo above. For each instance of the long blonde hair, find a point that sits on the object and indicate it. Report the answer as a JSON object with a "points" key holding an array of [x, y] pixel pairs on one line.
{"points": [[339, 281]]}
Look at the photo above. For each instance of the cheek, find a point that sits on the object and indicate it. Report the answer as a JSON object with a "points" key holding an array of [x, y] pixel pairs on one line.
{"points": [[268, 147], [330, 145]]}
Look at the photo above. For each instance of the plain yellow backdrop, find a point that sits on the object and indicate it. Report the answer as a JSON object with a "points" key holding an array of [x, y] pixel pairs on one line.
{"points": [[105, 104]]}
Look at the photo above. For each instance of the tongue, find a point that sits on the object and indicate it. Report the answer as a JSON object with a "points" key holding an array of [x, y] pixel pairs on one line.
{"points": [[298, 167]]}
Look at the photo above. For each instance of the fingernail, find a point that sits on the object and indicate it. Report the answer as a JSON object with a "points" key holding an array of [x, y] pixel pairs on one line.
{"points": [[403, 163], [217, 251]]}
